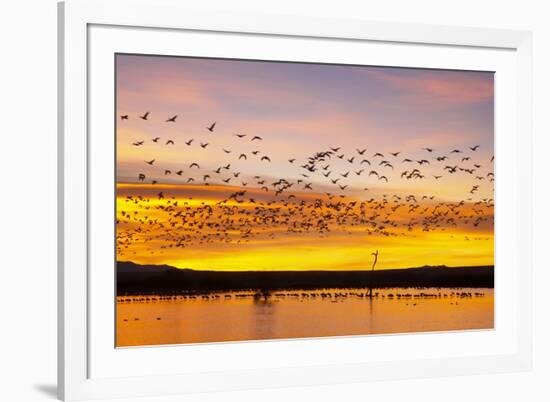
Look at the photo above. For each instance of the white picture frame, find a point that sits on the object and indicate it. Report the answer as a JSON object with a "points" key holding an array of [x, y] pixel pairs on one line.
{"points": [[76, 347]]}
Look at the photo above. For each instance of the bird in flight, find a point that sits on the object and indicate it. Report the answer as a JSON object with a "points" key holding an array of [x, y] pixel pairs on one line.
{"points": [[195, 164], [240, 135], [428, 149], [242, 156], [204, 145], [256, 138], [474, 148], [145, 116], [137, 143], [189, 142], [172, 119], [124, 117], [169, 142], [265, 158], [211, 128], [156, 139], [150, 162]]}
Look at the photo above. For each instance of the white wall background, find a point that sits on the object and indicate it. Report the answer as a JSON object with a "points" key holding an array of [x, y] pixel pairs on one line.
{"points": [[28, 198]]}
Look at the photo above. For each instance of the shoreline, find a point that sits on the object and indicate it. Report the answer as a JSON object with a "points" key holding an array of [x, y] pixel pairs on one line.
{"points": [[133, 279]]}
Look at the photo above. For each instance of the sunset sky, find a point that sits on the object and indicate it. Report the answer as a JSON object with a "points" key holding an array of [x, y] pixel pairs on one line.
{"points": [[299, 110]]}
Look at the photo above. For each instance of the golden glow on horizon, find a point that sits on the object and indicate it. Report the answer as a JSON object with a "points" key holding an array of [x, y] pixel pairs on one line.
{"points": [[346, 249]]}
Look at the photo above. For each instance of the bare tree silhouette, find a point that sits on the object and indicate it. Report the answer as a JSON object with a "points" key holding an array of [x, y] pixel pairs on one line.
{"points": [[372, 269]]}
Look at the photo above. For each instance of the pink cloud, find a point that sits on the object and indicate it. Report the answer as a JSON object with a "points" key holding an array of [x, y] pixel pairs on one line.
{"points": [[455, 89]]}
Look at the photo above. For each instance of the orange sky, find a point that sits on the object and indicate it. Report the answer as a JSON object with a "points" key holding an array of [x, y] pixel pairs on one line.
{"points": [[338, 116]]}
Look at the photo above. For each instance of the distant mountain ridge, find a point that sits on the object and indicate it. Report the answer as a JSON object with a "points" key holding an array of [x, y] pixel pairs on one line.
{"points": [[133, 278], [129, 266]]}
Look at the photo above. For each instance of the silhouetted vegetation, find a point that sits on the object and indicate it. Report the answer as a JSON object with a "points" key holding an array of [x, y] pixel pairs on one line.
{"points": [[163, 279]]}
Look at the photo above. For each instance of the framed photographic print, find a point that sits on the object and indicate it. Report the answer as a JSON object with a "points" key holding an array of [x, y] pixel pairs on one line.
{"points": [[243, 197]]}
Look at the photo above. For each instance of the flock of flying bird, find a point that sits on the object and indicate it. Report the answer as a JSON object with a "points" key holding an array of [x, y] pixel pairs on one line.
{"points": [[319, 199]]}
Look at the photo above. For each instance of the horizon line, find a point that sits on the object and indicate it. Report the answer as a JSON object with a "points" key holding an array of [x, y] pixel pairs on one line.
{"points": [[310, 270]]}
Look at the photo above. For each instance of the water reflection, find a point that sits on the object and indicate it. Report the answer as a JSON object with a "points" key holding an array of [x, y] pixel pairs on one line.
{"points": [[262, 319], [237, 316]]}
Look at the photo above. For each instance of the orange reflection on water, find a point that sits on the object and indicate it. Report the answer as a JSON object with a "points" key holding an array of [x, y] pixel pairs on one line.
{"points": [[299, 314]]}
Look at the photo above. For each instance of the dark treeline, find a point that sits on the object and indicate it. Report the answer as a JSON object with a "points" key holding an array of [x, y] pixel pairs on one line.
{"points": [[164, 279]]}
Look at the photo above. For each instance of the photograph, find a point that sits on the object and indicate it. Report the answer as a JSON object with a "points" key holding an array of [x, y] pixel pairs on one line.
{"points": [[270, 200]]}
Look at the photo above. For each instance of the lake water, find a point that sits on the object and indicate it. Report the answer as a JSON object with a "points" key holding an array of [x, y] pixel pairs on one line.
{"points": [[240, 316]]}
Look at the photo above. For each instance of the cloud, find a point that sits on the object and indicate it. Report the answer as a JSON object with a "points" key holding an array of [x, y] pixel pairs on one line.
{"points": [[438, 88]]}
